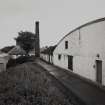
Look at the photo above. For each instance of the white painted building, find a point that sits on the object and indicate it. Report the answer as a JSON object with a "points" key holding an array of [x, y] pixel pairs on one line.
{"points": [[47, 54], [3, 61], [83, 51]]}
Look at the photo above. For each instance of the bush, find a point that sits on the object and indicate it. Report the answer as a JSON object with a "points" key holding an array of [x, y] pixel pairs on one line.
{"points": [[29, 84], [22, 59], [11, 62]]}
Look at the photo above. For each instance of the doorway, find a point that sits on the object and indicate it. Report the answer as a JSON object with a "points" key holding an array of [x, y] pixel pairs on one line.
{"points": [[70, 62], [99, 71]]}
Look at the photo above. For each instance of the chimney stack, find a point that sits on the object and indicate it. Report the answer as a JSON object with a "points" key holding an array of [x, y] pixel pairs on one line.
{"points": [[37, 41]]}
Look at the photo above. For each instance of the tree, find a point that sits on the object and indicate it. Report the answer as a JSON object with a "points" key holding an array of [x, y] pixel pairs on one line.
{"points": [[25, 40]]}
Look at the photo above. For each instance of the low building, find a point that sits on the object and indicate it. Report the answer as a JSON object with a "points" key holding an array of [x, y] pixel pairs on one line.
{"points": [[32, 52], [16, 51], [3, 61], [82, 51], [47, 54]]}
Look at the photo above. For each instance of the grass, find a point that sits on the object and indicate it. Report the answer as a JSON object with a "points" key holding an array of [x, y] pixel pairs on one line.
{"points": [[28, 84]]}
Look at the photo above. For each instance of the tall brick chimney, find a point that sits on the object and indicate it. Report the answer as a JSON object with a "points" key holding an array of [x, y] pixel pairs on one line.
{"points": [[37, 40]]}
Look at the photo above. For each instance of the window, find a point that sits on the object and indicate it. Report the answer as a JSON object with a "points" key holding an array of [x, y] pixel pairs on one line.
{"points": [[59, 56], [66, 44]]}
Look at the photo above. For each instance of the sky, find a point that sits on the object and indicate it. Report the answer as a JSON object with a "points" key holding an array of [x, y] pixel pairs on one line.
{"points": [[56, 17]]}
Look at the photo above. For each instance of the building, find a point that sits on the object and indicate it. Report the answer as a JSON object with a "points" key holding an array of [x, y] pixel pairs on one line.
{"points": [[17, 51], [47, 54], [3, 61], [82, 51], [32, 52]]}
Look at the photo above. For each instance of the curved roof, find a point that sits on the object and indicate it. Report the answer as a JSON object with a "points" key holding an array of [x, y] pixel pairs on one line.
{"points": [[84, 25]]}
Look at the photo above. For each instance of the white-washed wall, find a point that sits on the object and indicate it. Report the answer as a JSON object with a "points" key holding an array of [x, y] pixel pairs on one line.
{"points": [[47, 57], [93, 43], [3, 63], [44, 57], [73, 45], [63, 62], [84, 45], [73, 49], [84, 66]]}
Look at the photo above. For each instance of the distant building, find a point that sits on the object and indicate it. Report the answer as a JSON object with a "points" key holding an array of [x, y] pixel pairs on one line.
{"points": [[3, 61], [82, 51], [32, 52], [17, 51], [47, 54]]}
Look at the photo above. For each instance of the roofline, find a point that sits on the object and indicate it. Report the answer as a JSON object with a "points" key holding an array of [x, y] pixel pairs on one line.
{"points": [[84, 25]]}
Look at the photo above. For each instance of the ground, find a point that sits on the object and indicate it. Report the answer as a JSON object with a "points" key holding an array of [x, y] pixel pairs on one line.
{"points": [[29, 84]]}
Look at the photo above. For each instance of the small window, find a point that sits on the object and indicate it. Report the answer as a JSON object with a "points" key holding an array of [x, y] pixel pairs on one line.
{"points": [[66, 44], [59, 56]]}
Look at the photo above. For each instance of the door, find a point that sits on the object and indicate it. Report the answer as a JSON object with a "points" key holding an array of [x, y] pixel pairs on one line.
{"points": [[70, 62], [99, 71]]}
